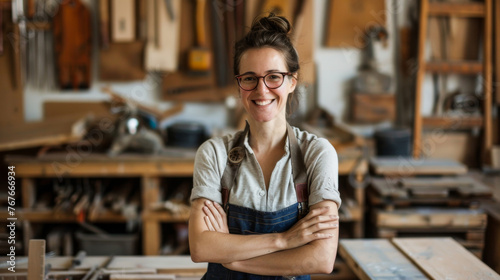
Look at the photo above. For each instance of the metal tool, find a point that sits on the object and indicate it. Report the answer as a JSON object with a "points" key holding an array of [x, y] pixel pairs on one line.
{"points": [[170, 9]]}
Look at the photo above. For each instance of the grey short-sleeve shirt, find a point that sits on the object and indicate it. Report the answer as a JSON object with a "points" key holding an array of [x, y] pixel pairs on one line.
{"points": [[320, 159]]}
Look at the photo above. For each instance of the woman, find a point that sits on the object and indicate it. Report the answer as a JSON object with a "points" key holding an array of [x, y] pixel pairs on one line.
{"points": [[265, 200]]}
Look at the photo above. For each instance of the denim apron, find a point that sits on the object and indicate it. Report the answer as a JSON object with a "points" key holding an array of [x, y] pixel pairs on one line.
{"points": [[243, 220]]}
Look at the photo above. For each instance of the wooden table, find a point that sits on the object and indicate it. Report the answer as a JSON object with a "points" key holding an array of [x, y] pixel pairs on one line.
{"points": [[180, 266], [412, 258]]}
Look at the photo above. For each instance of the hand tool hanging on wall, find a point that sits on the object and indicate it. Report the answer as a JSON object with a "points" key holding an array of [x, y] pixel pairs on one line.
{"points": [[123, 20], [199, 57], [369, 79], [19, 18], [72, 44], [163, 35], [104, 23], [220, 54]]}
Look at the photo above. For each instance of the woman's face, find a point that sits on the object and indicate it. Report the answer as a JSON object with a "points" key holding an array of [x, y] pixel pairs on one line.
{"points": [[264, 104]]}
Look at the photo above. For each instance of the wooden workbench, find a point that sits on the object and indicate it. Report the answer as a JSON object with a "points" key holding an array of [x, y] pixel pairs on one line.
{"points": [[153, 173], [412, 258]]}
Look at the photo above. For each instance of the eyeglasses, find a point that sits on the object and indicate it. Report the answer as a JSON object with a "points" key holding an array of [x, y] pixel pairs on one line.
{"points": [[272, 80]]}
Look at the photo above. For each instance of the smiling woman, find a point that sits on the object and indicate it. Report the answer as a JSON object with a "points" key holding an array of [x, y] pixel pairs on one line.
{"points": [[265, 200]]}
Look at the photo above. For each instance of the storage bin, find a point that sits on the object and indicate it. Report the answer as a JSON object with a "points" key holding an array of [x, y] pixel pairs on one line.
{"points": [[108, 245]]}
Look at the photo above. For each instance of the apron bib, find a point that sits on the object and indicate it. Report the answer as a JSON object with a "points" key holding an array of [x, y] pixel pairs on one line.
{"points": [[243, 220]]}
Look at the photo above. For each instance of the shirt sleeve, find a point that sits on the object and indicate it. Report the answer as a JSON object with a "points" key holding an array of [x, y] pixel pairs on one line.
{"points": [[207, 171], [322, 171]]}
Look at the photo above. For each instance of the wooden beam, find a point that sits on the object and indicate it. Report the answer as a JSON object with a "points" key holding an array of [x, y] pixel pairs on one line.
{"points": [[457, 9], [36, 259]]}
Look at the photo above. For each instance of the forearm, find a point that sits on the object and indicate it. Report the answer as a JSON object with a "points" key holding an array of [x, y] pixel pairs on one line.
{"points": [[218, 247], [308, 259], [223, 247]]}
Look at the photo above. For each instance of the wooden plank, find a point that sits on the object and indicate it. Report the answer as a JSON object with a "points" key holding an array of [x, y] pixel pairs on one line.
{"points": [[417, 115], [487, 84], [36, 259], [123, 20], [497, 50], [162, 47], [151, 242], [12, 105], [444, 258], [347, 22], [163, 264], [373, 108], [457, 67], [457, 9], [409, 167], [385, 188], [492, 248], [56, 109], [377, 259], [142, 277], [431, 218], [460, 122], [49, 132]]}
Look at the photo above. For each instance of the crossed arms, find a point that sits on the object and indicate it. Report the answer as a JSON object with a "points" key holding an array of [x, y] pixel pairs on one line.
{"points": [[308, 247]]}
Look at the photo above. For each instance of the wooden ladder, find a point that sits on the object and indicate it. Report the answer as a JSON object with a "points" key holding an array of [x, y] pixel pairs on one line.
{"points": [[446, 9]]}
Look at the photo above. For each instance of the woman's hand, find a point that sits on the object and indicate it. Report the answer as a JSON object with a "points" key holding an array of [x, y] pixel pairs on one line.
{"points": [[215, 217], [309, 228]]}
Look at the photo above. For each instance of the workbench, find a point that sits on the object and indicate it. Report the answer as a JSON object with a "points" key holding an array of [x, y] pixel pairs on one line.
{"points": [[412, 258], [153, 175]]}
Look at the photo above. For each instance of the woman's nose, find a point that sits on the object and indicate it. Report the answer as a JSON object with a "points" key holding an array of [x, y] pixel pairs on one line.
{"points": [[261, 85]]}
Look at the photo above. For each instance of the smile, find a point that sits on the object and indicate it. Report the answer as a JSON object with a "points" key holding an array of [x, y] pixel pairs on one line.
{"points": [[263, 102]]}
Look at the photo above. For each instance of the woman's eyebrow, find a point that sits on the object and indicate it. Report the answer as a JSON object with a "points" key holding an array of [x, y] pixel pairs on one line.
{"points": [[268, 71]]}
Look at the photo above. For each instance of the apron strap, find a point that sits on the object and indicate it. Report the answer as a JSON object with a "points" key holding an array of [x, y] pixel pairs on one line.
{"points": [[299, 172], [234, 158]]}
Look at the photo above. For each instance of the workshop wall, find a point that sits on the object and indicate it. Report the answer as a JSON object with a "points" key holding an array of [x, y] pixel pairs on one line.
{"points": [[334, 66]]}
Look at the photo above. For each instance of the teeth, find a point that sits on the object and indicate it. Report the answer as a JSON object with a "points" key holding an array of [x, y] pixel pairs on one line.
{"points": [[263, 103]]}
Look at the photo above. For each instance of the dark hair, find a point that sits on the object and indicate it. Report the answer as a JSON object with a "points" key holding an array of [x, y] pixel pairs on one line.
{"points": [[270, 31]]}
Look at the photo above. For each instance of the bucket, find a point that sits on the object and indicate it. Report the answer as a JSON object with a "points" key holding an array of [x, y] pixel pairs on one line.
{"points": [[393, 142]]}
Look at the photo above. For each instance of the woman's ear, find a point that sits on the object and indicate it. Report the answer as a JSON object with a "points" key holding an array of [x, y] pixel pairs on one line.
{"points": [[293, 82]]}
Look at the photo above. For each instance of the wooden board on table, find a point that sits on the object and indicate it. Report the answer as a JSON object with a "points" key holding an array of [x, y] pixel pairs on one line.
{"points": [[163, 264], [399, 166], [431, 218], [377, 259], [444, 258], [348, 20]]}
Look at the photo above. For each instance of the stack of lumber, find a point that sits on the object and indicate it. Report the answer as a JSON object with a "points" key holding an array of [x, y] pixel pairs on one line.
{"points": [[427, 198]]}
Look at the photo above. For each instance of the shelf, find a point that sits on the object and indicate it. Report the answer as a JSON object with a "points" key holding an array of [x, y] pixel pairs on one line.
{"points": [[457, 9], [458, 67], [164, 216], [51, 216], [465, 122]]}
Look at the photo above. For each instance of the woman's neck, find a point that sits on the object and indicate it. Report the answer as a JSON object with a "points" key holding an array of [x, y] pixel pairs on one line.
{"points": [[267, 136]]}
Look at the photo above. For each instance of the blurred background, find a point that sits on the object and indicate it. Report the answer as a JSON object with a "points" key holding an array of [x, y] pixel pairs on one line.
{"points": [[104, 103]]}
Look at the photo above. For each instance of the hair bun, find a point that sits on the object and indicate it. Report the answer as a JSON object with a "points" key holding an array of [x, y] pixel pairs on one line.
{"points": [[271, 23]]}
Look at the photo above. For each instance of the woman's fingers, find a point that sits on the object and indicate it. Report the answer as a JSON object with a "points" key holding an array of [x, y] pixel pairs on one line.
{"points": [[209, 223], [216, 216]]}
